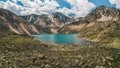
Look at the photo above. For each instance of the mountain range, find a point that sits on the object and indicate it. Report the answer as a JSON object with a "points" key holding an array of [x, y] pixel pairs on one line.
{"points": [[33, 24], [103, 23], [50, 23]]}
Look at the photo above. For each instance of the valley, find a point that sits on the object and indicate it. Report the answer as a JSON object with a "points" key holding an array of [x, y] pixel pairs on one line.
{"points": [[18, 49]]}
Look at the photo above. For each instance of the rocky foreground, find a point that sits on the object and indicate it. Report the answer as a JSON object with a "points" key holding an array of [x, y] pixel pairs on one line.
{"points": [[24, 52]]}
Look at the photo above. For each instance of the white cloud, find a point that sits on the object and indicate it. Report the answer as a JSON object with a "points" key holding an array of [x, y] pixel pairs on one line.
{"points": [[117, 2], [13, 7], [79, 7]]}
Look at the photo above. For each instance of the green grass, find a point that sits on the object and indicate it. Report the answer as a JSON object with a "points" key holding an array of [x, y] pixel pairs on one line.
{"points": [[23, 51]]}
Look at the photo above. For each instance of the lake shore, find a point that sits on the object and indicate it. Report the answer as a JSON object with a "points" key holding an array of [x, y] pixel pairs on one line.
{"points": [[74, 40], [18, 51]]}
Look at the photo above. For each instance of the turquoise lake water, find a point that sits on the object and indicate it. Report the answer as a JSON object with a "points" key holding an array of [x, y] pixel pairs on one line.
{"points": [[60, 38]]}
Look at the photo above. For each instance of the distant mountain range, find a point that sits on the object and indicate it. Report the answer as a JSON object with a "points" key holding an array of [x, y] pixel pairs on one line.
{"points": [[101, 24], [50, 23], [33, 24]]}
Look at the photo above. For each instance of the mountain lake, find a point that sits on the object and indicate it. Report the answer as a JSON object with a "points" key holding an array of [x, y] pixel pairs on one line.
{"points": [[62, 38]]}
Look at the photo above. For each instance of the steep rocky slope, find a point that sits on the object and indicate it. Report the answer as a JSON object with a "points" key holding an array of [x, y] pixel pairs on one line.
{"points": [[16, 24], [49, 23], [103, 13], [33, 24], [100, 14], [102, 24]]}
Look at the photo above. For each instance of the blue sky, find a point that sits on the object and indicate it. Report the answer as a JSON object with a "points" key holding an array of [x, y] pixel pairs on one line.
{"points": [[78, 8], [101, 2], [63, 3]]}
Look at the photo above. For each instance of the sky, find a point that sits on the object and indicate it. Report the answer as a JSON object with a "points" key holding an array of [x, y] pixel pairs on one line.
{"points": [[76, 8]]}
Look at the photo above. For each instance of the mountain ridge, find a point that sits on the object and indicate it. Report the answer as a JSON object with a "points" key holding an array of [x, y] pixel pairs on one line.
{"points": [[99, 19], [101, 25], [53, 22], [15, 23], [100, 14]]}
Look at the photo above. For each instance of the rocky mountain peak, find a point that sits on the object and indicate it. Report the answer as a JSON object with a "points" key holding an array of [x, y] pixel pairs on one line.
{"points": [[30, 18], [6, 15], [62, 18], [16, 24], [52, 16], [103, 13], [52, 22]]}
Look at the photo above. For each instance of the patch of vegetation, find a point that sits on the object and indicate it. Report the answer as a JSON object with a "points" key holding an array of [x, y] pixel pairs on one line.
{"points": [[104, 32], [25, 52]]}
